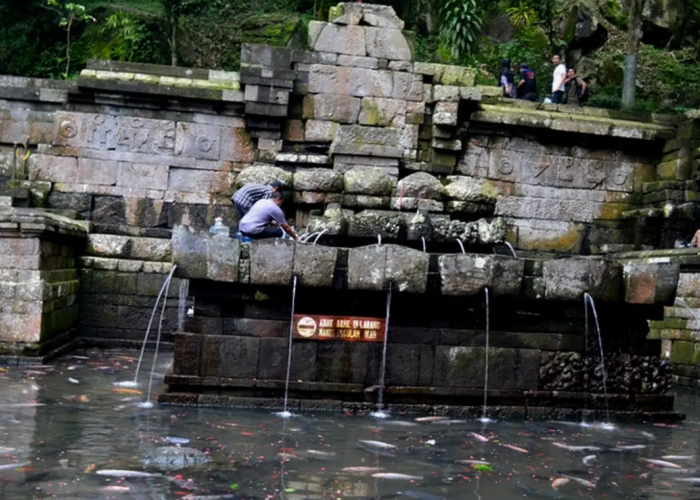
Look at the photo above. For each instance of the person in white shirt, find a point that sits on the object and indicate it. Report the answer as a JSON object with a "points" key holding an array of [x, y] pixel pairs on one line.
{"points": [[558, 79]]}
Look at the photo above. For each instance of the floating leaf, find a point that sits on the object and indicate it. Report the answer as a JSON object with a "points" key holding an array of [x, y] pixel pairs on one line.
{"points": [[482, 467]]}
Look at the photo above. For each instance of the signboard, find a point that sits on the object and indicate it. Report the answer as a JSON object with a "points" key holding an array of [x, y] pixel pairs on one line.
{"points": [[348, 328]]}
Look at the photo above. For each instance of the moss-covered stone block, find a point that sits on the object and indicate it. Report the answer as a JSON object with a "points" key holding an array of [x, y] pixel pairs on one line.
{"points": [[685, 353]]}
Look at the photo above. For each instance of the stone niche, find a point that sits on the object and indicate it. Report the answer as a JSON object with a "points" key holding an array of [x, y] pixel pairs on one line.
{"points": [[39, 285]]}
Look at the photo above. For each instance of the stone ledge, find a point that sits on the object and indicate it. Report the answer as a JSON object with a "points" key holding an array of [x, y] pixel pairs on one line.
{"points": [[551, 409], [30, 222], [571, 122]]}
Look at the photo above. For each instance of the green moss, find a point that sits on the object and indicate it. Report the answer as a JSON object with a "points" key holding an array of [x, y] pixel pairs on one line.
{"points": [[335, 12]]}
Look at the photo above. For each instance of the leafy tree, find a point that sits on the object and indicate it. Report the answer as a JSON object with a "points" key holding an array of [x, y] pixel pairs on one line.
{"points": [[71, 15], [119, 37], [460, 25], [635, 9], [174, 10], [521, 14]]}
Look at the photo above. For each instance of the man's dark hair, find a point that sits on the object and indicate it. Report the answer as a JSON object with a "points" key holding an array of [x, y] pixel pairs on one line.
{"points": [[557, 54], [573, 68], [277, 185], [276, 196]]}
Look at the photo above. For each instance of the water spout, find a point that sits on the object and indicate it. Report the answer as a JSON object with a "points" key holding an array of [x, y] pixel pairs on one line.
{"points": [[380, 413], [319, 235], [182, 304], [148, 403], [461, 245], [425, 247], [379, 240], [588, 300], [512, 250], [286, 413], [484, 419], [166, 284], [307, 237]]}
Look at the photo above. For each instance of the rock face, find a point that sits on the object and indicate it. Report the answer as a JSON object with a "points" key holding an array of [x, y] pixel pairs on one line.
{"points": [[420, 185], [318, 179], [334, 221], [264, 175], [471, 190], [582, 29], [369, 181]]}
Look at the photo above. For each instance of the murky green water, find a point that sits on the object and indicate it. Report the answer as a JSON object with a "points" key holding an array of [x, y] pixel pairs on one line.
{"points": [[63, 427]]}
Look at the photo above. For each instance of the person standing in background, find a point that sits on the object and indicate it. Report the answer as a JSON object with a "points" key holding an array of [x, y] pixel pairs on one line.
{"points": [[527, 86], [575, 88], [506, 80], [558, 78]]}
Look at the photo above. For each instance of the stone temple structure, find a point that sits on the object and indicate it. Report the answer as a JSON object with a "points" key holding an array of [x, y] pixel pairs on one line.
{"points": [[409, 176]]}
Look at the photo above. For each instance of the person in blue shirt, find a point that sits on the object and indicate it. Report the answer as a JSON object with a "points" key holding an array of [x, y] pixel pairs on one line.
{"points": [[527, 86], [248, 195], [266, 220]]}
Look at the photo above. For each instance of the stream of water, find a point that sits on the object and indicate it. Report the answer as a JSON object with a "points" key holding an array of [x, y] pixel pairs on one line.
{"points": [[588, 300], [66, 432], [380, 413]]}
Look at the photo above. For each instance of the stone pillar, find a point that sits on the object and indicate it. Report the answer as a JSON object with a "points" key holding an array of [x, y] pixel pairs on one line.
{"points": [[38, 280]]}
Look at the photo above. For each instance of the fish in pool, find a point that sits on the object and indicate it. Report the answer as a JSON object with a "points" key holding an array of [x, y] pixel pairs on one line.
{"points": [[678, 457], [581, 481], [362, 470], [13, 466], [589, 460], [175, 440], [124, 390], [174, 458], [691, 480], [480, 437], [515, 448], [661, 463], [567, 447], [396, 476], [630, 447], [400, 423], [431, 419], [114, 488], [472, 462], [559, 482], [449, 422], [319, 455], [125, 473], [377, 444]]}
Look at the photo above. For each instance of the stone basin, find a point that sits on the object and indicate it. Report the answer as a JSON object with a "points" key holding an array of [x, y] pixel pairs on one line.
{"points": [[569, 279], [468, 274], [374, 267]]}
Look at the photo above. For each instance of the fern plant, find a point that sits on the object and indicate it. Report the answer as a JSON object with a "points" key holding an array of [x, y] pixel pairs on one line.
{"points": [[461, 24], [521, 15]]}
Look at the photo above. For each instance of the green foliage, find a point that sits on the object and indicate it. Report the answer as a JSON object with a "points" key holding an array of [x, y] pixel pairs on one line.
{"points": [[71, 14], [121, 36], [460, 25], [522, 14], [665, 76]]}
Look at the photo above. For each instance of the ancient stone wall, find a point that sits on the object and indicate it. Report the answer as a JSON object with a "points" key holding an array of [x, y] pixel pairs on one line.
{"points": [[371, 144], [38, 281]]}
